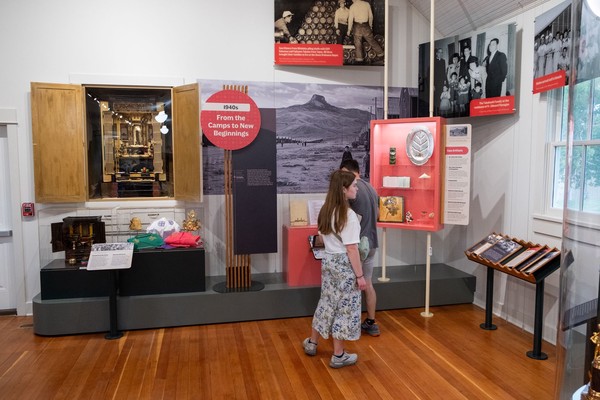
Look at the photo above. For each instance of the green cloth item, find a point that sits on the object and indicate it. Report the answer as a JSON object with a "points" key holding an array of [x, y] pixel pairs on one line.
{"points": [[363, 248], [146, 241]]}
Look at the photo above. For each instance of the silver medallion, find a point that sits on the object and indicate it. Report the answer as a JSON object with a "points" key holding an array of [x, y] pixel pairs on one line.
{"points": [[419, 145]]}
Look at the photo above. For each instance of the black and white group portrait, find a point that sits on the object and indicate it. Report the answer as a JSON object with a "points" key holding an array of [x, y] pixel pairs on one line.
{"points": [[466, 68], [552, 42]]}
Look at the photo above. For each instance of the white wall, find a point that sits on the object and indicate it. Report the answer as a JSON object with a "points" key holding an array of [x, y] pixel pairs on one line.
{"points": [[152, 42]]}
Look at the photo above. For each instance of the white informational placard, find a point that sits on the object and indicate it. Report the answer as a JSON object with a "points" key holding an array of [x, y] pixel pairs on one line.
{"points": [[314, 207], [457, 185], [106, 256]]}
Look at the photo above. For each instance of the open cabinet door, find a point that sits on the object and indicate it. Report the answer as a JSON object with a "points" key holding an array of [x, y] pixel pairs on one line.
{"points": [[187, 143], [59, 155]]}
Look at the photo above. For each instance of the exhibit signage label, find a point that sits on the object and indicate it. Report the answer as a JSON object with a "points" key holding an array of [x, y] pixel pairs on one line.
{"points": [[230, 119], [457, 174]]}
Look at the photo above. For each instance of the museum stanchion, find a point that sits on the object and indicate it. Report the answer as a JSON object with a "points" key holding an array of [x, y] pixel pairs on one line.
{"points": [[112, 300], [383, 278], [489, 301], [524, 260], [426, 313]]}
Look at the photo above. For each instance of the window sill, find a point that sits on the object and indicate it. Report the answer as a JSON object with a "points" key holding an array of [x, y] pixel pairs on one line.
{"points": [[547, 225]]}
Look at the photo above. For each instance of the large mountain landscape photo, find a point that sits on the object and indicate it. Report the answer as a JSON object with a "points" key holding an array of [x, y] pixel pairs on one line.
{"points": [[311, 138]]}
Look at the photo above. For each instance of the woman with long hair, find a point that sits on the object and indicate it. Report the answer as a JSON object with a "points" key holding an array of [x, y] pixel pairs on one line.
{"points": [[338, 312]]}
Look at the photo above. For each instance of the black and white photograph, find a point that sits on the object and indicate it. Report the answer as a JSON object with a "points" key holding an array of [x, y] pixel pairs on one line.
{"points": [[357, 25], [501, 250], [317, 125], [552, 44], [469, 67], [459, 131]]}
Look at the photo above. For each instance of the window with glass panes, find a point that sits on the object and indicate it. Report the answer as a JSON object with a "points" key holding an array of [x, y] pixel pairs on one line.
{"points": [[584, 176]]}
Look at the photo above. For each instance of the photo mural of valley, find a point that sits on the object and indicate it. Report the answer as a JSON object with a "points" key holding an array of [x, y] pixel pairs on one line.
{"points": [[314, 125]]}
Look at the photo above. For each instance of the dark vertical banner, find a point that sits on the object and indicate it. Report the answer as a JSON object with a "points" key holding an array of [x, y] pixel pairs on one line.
{"points": [[255, 191]]}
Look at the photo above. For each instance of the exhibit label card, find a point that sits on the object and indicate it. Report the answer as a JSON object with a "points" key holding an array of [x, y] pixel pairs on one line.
{"points": [[110, 256], [457, 183]]}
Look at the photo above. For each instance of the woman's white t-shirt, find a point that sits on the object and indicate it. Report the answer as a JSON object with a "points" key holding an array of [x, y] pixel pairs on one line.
{"points": [[350, 235]]}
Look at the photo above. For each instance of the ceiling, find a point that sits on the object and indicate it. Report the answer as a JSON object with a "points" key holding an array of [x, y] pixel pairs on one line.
{"points": [[455, 17]]}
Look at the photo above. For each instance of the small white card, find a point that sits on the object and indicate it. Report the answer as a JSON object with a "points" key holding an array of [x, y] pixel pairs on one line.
{"points": [[314, 207]]}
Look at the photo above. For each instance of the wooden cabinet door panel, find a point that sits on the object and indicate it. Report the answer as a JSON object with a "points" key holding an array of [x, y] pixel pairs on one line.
{"points": [[187, 151], [58, 143]]}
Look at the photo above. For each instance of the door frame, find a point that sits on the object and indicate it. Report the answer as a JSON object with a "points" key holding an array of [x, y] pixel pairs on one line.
{"points": [[16, 280]]}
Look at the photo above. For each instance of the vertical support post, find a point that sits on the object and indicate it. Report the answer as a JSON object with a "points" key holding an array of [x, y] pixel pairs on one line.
{"points": [[238, 267], [383, 278], [112, 306], [489, 301], [536, 353], [426, 313], [431, 56]]}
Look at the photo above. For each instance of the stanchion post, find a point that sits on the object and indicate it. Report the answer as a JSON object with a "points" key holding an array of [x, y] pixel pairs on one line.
{"points": [[426, 313], [383, 278]]}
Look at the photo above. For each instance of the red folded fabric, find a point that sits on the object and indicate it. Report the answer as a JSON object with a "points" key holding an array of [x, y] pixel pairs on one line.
{"points": [[183, 239]]}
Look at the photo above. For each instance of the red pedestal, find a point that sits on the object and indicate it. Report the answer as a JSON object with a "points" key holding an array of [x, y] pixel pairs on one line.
{"points": [[300, 267]]}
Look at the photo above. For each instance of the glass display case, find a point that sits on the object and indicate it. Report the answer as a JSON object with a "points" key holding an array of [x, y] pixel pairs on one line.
{"points": [[130, 143], [406, 172]]}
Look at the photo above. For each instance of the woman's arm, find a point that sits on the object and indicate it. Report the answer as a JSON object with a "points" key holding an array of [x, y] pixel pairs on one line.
{"points": [[353, 255]]}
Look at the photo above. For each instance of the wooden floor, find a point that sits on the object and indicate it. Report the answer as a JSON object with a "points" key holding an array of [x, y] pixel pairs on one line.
{"points": [[445, 357]]}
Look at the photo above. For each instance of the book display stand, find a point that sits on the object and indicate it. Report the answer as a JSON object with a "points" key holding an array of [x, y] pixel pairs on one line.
{"points": [[406, 172], [524, 260]]}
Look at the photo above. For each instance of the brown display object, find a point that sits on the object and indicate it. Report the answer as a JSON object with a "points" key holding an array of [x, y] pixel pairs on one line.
{"points": [[539, 265], [75, 236], [533, 268]]}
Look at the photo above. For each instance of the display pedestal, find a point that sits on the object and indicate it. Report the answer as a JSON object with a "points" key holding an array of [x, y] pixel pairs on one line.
{"points": [[114, 333], [300, 267], [507, 265]]}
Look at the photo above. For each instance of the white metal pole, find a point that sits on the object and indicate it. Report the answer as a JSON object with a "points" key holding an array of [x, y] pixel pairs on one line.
{"points": [[431, 55], [426, 313], [383, 277]]}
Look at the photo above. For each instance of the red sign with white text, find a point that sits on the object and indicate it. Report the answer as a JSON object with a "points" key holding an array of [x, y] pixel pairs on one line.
{"points": [[551, 81], [309, 54], [492, 106], [230, 119]]}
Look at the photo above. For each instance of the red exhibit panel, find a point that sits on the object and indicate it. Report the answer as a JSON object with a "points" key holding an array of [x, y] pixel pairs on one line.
{"points": [[406, 171]]}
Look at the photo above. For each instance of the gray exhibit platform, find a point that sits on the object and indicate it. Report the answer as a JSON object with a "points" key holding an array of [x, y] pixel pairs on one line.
{"points": [[406, 289]]}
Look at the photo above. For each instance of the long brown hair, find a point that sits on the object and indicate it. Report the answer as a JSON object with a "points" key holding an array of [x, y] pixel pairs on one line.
{"points": [[335, 203]]}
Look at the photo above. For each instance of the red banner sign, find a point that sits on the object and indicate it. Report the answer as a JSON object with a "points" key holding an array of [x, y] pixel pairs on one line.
{"points": [[230, 119], [309, 54]]}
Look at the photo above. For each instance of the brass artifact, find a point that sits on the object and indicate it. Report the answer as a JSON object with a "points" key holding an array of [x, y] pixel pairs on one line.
{"points": [[191, 223], [135, 224], [592, 389]]}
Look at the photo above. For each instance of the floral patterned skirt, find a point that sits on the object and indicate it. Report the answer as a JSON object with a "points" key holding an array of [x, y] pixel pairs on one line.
{"points": [[338, 310]]}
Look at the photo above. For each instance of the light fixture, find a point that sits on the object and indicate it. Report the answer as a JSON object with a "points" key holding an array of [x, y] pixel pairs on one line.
{"points": [[161, 117], [164, 130]]}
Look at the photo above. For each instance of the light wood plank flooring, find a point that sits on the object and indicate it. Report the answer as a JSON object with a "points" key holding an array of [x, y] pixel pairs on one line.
{"points": [[446, 357]]}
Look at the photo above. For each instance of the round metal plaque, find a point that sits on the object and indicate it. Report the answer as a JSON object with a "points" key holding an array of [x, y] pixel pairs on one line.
{"points": [[419, 145]]}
